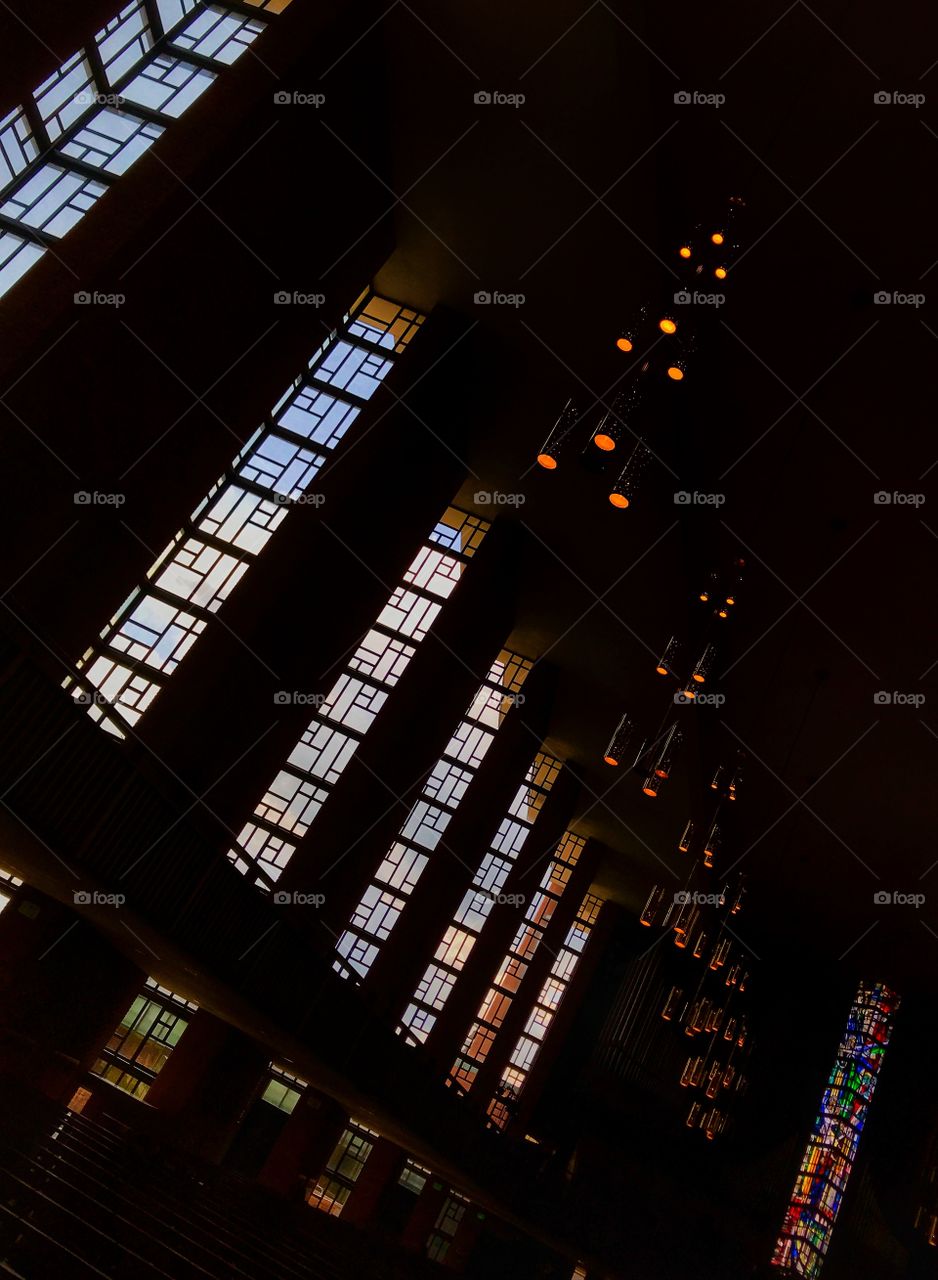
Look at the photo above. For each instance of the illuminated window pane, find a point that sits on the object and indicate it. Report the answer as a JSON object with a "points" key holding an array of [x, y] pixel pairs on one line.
{"points": [[832, 1148], [168, 84], [219, 35], [143, 1041], [124, 41], [67, 94], [331, 1189], [18, 147], [112, 140], [194, 571], [52, 199], [173, 11], [488, 881], [16, 257]]}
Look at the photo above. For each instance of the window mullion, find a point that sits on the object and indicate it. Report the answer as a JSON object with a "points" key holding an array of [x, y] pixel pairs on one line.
{"points": [[27, 233]]}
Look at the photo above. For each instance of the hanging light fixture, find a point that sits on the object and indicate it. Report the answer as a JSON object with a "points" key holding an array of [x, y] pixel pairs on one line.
{"points": [[717, 780], [685, 251], [732, 789], [672, 740], [718, 237], [686, 838], [672, 1003], [676, 369], [619, 742], [666, 662], [548, 457], [623, 490], [720, 273], [704, 664], [708, 590], [711, 844], [611, 426], [652, 906], [667, 324]]}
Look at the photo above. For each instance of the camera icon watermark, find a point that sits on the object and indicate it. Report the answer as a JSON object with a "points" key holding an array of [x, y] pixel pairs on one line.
{"points": [[894, 297], [694, 98], [495, 98], [296, 298], [298, 98], [889, 98], [883, 498], [297, 698], [683, 498], [495, 498], [84, 498], [90, 698], [494, 298], [883, 698], [94, 298], [682, 699], [684, 298], [896, 898], [298, 499], [294, 898]]}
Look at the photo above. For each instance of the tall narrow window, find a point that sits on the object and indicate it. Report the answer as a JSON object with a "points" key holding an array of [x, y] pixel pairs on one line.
{"points": [[295, 796], [385, 898], [146, 640], [148, 1032], [9, 884], [502, 1106], [148, 61], [446, 1225], [442, 974], [507, 982], [343, 1168], [832, 1147]]}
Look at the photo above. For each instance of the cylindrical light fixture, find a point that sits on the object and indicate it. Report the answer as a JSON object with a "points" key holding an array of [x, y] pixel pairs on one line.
{"points": [[672, 740], [668, 659], [623, 490], [619, 742], [704, 664], [677, 369], [686, 838], [548, 457], [652, 906]]}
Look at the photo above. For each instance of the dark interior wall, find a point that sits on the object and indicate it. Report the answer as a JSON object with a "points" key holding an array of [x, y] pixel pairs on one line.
{"points": [[153, 398]]}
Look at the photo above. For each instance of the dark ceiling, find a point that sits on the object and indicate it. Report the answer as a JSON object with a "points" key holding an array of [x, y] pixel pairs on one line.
{"points": [[806, 400]]}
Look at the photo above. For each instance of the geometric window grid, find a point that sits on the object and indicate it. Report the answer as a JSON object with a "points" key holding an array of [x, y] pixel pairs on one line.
{"points": [[402, 866], [295, 797], [507, 981], [528, 1045], [446, 1226], [334, 1185], [147, 1034], [95, 115], [478, 902], [832, 1147], [118, 678]]}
